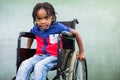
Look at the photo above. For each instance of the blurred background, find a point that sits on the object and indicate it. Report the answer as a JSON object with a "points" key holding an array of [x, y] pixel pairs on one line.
{"points": [[99, 27]]}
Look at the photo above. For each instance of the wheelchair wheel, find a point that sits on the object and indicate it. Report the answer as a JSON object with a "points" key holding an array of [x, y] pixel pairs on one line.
{"points": [[78, 69]]}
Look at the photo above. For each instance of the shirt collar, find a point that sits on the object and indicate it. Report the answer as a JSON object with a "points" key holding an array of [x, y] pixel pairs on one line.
{"points": [[51, 26]]}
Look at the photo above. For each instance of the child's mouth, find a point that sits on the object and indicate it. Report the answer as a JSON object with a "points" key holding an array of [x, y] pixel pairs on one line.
{"points": [[44, 27]]}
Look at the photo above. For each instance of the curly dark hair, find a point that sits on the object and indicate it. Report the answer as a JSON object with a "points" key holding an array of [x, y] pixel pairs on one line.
{"points": [[45, 5]]}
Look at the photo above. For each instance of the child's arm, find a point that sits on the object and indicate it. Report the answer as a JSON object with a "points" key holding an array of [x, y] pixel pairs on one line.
{"points": [[29, 42], [81, 54]]}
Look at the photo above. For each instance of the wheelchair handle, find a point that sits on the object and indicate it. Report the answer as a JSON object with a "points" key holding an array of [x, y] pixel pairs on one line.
{"points": [[67, 35], [76, 21], [27, 34]]}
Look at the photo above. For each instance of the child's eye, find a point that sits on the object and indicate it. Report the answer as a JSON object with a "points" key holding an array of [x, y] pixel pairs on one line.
{"points": [[38, 18], [46, 17]]}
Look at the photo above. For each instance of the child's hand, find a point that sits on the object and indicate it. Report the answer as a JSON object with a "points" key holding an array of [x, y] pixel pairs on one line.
{"points": [[81, 56]]}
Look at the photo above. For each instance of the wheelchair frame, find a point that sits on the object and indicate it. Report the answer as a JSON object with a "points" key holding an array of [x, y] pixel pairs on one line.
{"points": [[68, 38]]}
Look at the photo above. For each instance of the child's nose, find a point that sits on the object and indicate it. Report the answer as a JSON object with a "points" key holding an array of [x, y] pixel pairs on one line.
{"points": [[43, 21]]}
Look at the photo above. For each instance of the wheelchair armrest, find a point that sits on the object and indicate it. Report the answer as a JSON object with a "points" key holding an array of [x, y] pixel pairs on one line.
{"points": [[27, 34], [67, 35]]}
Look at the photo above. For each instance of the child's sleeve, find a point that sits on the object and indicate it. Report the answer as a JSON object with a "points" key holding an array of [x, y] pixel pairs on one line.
{"points": [[33, 30], [64, 28]]}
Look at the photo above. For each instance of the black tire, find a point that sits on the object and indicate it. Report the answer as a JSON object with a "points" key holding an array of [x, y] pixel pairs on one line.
{"points": [[78, 69], [13, 78]]}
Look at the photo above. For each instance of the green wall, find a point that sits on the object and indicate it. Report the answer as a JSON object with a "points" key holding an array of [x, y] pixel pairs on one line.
{"points": [[99, 27]]}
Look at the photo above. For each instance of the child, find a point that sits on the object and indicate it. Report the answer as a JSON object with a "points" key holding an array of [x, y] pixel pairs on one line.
{"points": [[45, 28]]}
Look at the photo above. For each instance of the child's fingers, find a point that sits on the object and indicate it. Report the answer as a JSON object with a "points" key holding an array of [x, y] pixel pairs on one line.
{"points": [[80, 58]]}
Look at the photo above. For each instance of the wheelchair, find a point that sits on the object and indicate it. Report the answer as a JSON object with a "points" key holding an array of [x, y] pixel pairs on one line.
{"points": [[68, 67]]}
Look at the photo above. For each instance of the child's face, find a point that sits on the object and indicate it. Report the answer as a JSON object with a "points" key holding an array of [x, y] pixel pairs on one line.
{"points": [[43, 20]]}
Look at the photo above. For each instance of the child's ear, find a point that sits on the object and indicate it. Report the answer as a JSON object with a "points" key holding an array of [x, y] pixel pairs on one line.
{"points": [[52, 18], [35, 23]]}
